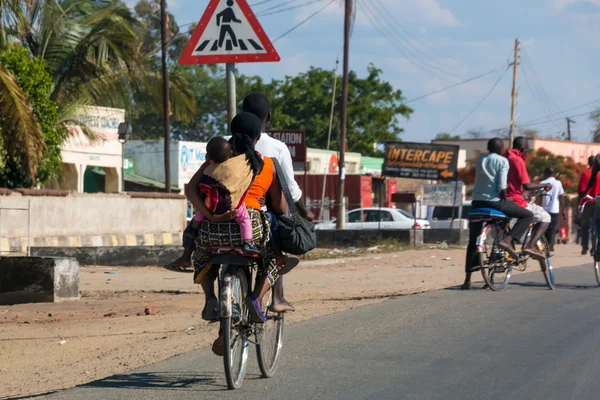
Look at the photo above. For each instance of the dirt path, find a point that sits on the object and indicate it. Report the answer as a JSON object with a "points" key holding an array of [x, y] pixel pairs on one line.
{"points": [[44, 347]]}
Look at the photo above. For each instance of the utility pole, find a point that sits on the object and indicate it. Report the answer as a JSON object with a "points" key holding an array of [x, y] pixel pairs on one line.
{"points": [[513, 100], [166, 102], [341, 210], [569, 122]]}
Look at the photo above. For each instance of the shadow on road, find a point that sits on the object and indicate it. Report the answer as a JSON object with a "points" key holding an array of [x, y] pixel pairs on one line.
{"points": [[161, 381]]}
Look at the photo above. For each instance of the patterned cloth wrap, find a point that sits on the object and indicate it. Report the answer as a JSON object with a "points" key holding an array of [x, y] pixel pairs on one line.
{"points": [[228, 235]]}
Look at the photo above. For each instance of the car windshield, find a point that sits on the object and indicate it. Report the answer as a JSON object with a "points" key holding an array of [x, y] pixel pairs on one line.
{"points": [[407, 215]]}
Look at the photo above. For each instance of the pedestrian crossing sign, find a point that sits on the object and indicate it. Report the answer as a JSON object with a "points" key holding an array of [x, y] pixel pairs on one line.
{"points": [[228, 32]]}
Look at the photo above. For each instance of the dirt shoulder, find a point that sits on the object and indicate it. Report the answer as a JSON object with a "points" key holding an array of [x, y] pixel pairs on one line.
{"points": [[45, 347]]}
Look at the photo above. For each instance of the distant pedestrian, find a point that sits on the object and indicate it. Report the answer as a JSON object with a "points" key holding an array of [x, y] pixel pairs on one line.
{"points": [[553, 203], [588, 205]]}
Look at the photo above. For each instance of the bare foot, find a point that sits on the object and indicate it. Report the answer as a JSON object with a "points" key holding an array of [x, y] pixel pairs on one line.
{"points": [[282, 306]]}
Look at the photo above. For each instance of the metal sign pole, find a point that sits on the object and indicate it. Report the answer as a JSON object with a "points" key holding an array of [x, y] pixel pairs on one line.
{"points": [[231, 95], [454, 206]]}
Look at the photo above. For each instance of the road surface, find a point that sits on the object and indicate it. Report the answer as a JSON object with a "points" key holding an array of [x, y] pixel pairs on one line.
{"points": [[523, 343]]}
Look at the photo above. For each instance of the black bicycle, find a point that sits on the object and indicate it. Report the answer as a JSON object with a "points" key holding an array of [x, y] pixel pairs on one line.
{"points": [[496, 264], [235, 283]]}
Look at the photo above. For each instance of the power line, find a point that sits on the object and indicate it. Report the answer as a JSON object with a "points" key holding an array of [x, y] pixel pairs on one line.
{"points": [[549, 121], [527, 61], [547, 110], [564, 111], [276, 6], [453, 86], [395, 44], [265, 13], [413, 36], [392, 25], [481, 102], [304, 21], [260, 3]]}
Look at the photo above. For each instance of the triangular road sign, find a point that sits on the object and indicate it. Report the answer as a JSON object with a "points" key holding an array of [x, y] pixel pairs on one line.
{"points": [[228, 32]]}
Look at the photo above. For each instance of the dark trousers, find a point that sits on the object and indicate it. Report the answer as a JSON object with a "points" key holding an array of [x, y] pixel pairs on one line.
{"points": [[552, 229], [508, 207], [586, 224]]}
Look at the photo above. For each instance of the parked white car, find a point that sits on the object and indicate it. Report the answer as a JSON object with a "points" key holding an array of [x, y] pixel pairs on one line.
{"points": [[377, 218], [440, 216]]}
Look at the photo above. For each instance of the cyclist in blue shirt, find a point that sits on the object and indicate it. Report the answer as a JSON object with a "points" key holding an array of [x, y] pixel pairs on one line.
{"points": [[489, 191]]}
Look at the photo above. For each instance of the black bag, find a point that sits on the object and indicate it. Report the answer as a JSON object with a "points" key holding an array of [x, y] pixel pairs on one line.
{"points": [[296, 235]]}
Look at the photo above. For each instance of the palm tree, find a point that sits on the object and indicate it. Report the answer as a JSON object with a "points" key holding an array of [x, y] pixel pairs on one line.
{"points": [[93, 52]]}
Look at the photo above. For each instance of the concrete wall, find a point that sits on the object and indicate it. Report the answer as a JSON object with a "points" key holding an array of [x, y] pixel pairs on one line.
{"points": [[90, 214]]}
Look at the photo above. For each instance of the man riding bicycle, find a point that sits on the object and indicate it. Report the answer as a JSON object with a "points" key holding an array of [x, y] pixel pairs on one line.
{"points": [[518, 180], [491, 172]]}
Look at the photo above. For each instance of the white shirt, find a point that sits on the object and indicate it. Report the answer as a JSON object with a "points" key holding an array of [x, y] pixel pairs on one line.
{"points": [[551, 204], [273, 148], [267, 146]]}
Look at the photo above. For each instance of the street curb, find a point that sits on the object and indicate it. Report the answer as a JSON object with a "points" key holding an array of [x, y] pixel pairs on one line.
{"points": [[19, 244]]}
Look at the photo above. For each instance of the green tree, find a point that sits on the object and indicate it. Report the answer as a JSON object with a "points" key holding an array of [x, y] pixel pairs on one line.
{"points": [[30, 147], [304, 102]]}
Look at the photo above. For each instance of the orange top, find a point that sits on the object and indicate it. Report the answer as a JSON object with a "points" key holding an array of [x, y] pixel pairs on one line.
{"points": [[261, 185]]}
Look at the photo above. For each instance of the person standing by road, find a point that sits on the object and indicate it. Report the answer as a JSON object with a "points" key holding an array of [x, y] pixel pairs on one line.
{"points": [[588, 205], [489, 191], [553, 204]]}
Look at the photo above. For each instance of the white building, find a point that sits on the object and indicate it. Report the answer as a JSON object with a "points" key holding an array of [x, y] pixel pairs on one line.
{"points": [[80, 154]]}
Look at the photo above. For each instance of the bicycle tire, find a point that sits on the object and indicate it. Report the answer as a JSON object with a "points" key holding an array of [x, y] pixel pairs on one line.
{"points": [[269, 340], [235, 354], [549, 271], [489, 273]]}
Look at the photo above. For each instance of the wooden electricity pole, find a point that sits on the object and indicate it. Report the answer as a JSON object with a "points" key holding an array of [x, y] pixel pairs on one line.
{"points": [[513, 100], [569, 122], [166, 103], [341, 206]]}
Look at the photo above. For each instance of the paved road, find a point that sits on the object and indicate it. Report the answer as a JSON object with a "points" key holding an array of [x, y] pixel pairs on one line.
{"points": [[523, 343]]}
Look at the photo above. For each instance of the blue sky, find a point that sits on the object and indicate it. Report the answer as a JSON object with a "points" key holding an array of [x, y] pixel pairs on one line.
{"points": [[455, 40]]}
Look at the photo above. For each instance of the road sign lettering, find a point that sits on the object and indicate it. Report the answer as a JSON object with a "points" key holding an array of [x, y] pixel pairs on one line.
{"points": [[295, 141], [420, 161], [228, 32]]}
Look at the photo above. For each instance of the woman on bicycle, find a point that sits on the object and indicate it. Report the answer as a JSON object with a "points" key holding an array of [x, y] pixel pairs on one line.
{"points": [[216, 230]]}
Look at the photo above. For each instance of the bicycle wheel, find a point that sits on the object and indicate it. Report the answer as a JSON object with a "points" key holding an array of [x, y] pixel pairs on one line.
{"points": [[549, 271], [269, 340], [234, 326], [495, 268], [597, 271]]}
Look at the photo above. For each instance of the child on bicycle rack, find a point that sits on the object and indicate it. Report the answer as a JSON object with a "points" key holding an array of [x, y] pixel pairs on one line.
{"points": [[235, 172]]}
